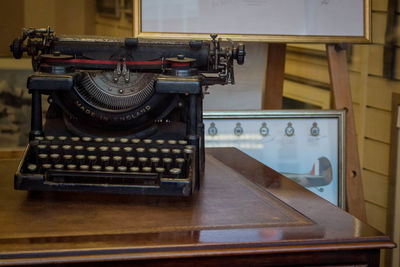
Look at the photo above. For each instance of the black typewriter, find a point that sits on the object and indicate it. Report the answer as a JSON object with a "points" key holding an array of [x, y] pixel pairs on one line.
{"points": [[125, 115]]}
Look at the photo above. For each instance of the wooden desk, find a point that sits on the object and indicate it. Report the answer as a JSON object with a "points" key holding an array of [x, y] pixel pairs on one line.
{"points": [[245, 213]]}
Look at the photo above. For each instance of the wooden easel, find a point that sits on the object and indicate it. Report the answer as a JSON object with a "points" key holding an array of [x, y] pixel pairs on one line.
{"points": [[340, 84]]}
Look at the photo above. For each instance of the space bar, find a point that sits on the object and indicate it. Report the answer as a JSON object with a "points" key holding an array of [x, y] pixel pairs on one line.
{"points": [[96, 177]]}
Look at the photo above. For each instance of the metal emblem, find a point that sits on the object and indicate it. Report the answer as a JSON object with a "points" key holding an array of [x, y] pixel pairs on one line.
{"points": [[289, 130], [238, 130], [264, 131], [314, 131], [212, 130]]}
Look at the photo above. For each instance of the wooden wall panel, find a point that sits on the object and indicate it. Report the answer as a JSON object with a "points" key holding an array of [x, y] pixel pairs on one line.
{"points": [[375, 60], [307, 70], [378, 27], [375, 188], [380, 92], [377, 124], [376, 156], [376, 216], [307, 93], [379, 5]]}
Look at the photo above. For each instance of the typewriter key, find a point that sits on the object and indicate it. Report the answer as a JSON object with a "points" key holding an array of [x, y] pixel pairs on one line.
{"points": [[43, 158], [99, 139], [41, 148], [96, 168], [109, 168], [103, 148], [127, 149], [59, 166], [175, 171], [124, 140], [154, 161], [160, 170], [54, 148], [105, 159], [146, 169], [111, 139], [134, 169], [117, 160], [160, 141], [55, 157], [67, 158], [49, 138], [182, 142], [84, 167], [165, 150], [78, 149], [176, 151], [153, 150], [172, 142], [140, 150], [130, 160], [66, 148], [75, 139], [142, 161], [180, 162], [122, 168], [167, 162], [92, 159], [31, 167], [80, 159], [147, 141], [115, 149], [71, 166], [46, 166], [62, 138], [90, 148], [86, 138], [135, 140], [39, 138]]}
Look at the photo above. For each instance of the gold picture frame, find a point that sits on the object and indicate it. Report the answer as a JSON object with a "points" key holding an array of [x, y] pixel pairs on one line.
{"points": [[137, 32]]}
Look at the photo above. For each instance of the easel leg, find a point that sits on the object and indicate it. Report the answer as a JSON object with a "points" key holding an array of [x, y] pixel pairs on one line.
{"points": [[341, 94], [273, 84]]}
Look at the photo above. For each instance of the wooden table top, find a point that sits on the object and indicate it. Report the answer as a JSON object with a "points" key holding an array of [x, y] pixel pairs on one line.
{"points": [[242, 207]]}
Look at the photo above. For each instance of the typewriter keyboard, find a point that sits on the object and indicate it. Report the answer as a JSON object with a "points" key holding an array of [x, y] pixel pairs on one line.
{"points": [[112, 161]]}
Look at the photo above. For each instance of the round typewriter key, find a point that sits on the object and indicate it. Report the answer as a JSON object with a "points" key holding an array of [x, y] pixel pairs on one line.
{"points": [[140, 149], [134, 169], [103, 148], [180, 162], [115, 148], [167, 162], [105, 158], [165, 150], [59, 166], [142, 161], [46, 166], [172, 142], [182, 142], [109, 168], [66, 147], [176, 151], [92, 157], [42, 148], [130, 161], [75, 138], [128, 149], [43, 158], [39, 138], [80, 159], [147, 141], [71, 166], [78, 148], [31, 167], [54, 147], [55, 157], [86, 138], [96, 168], [49, 138], [160, 141], [124, 140], [62, 138], [135, 140], [146, 169], [84, 167], [117, 160], [154, 161], [122, 168], [99, 139], [111, 139], [90, 148], [160, 170], [153, 150], [175, 171], [67, 158]]}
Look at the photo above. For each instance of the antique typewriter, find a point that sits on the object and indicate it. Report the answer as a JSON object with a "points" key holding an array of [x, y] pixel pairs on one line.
{"points": [[125, 115]]}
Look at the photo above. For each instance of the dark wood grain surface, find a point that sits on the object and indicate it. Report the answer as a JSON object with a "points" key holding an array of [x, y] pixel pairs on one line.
{"points": [[243, 208]]}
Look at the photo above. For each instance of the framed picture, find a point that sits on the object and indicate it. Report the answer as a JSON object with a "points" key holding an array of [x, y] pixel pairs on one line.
{"points": [[307, 146], [290, 21]]}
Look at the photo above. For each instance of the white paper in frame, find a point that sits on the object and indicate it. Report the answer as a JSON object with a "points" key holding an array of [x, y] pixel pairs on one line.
{"points": [[311, 21], [305, 145]]}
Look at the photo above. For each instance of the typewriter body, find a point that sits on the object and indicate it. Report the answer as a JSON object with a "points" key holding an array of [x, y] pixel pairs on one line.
{"points": [[125, 115]]}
